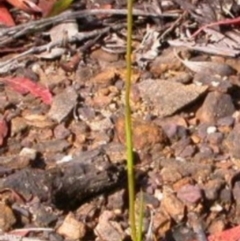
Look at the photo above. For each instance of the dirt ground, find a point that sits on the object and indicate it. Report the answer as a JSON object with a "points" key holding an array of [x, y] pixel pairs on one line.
{"points": [[62, 138]]}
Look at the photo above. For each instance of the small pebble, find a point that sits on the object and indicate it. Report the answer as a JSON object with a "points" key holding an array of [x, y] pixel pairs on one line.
{"points": [[211, 129]]}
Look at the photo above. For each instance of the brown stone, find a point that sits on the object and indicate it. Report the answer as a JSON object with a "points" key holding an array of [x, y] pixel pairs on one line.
{"points": [[116, 200], [232, 141], [7, 218], [166, 61], [145, 134], [167, 174], [101, 101], [102, 55], [217, 226], [174, 207], [72, 228], [61, 132], [109, 229], [216, 105], [212, 188], [18, 125], [161, 221], [104, 78]]}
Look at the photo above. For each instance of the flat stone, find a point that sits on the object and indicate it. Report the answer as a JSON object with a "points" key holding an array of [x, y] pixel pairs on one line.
{"points": [[168, 97], [63, 104], [215, 82], [52, 146], [190, 194], [225, 121]]}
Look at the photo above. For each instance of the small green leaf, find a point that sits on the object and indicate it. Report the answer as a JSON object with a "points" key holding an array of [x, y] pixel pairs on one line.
{"points": [[59, 6]]}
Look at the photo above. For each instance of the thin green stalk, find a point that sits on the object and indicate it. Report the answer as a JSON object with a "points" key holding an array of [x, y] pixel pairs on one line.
{"points": [[140, 218], [128, 125]]}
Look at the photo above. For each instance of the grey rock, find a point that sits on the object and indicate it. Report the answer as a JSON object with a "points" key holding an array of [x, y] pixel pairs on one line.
{"points": [[63, 104], [168, 97]]}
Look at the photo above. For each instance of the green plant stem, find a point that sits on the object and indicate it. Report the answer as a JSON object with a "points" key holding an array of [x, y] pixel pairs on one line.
{"points": [[128, 125], [140, 218]]}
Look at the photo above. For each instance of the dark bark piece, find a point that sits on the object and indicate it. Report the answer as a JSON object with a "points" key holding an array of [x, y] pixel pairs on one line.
{"points": [[71, 183]]}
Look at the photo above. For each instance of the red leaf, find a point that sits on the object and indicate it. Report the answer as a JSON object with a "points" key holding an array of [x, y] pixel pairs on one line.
{"points": [[3, 130], [5, 17], [24, 86], [232, 234]]}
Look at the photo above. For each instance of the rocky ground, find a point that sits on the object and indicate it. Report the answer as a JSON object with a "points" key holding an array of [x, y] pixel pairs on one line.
{"points": [[63, 143]]}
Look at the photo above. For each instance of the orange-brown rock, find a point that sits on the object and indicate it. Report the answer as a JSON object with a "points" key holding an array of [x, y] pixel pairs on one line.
{"points": [[145, 134]]}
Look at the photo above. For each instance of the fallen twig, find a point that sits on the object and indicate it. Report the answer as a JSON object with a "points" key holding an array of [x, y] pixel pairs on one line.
{"points": [[173, 25], [8, 34], [13, 63], [218, 23]]}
